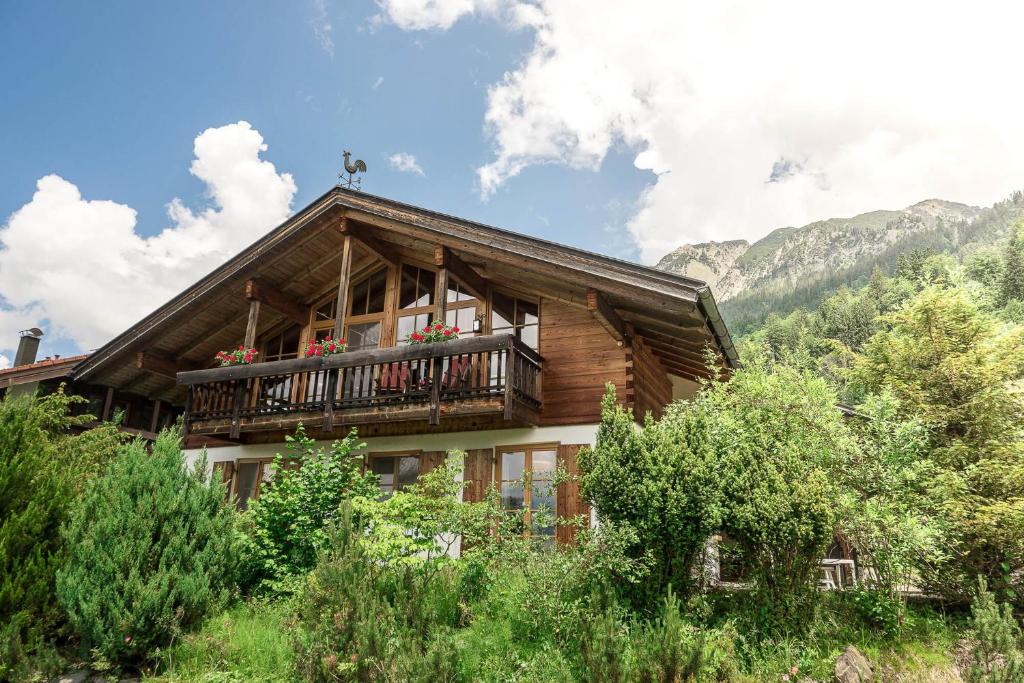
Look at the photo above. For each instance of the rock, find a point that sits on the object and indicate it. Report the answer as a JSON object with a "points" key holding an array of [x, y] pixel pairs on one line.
{"points": [[73, 677], [853, 667]]}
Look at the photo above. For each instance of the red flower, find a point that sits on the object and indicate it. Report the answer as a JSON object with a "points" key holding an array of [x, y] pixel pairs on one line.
{"points": [[455, 330], [426, 328], [447, 333], [341, 341], [438, 326]]}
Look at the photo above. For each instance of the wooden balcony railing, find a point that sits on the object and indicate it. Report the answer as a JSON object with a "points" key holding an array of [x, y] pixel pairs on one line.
{"points": [[495, 373]]}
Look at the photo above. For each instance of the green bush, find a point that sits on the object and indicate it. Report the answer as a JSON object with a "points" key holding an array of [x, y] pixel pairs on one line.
{"points": [[998, 655], [149, 548], [288, 524], [360, 619], [663, 483], [42, 467]]}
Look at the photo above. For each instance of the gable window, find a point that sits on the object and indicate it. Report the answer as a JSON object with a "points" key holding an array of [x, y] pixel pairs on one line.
{"points": [[282, 346], [460, 309], [396, 470], [512, 315], [524, 475], [415, 301], [364, 317]]}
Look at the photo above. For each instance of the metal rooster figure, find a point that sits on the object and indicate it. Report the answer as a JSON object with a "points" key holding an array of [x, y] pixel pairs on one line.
{"points": [[350, 181]]}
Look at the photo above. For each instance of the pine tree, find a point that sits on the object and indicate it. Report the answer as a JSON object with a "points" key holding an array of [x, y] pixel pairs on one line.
{"points": [[149, 552], [1011, 287]]}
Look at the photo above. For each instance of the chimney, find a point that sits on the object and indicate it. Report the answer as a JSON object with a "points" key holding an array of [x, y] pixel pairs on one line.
{"points": [[27, 347]]}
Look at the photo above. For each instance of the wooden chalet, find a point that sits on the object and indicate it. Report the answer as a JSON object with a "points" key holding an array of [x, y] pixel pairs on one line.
{"points": [[543, 328]]}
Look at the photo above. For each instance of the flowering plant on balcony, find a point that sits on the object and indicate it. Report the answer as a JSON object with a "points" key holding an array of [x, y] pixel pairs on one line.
{"points": [[240, 356], [325, 347], [437, 332]]}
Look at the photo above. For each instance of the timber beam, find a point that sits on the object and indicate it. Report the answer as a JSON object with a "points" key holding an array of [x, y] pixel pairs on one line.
{"points": [[279, 301], [602, 311], [159, 364], [375, 246], [473, 281]]}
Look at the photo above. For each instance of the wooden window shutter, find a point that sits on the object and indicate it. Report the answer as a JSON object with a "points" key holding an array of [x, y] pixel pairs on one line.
{"points": [[479, 471], [568, 501], [430, 460], [227, 474]]}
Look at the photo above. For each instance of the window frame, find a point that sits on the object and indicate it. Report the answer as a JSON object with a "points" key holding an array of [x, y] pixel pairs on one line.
{"points": [[397, 455], [261, 470], [527, 450], [380, 317], [515, 296]]}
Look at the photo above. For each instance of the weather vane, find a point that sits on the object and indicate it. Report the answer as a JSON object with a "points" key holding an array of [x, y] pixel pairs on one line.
{"points": [[349, 181]]}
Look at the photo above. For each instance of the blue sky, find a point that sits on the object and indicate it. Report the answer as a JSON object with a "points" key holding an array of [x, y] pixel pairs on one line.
{"points": [[111, 95], [625, 132]]}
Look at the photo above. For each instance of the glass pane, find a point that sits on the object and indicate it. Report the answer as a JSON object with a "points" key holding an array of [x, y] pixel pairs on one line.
{"points": [[326, 311], [426, 289], [407, 289], [375, 298], [385, 467], [543, 464], [512, 465], [511, 496], [408, 323], [360, 290], [363, 336], [543, 497], [408, 469], [526, 312], [457, 293], [502, 311], [529, 336], [246, 474], [290, 341], [461, 318]]}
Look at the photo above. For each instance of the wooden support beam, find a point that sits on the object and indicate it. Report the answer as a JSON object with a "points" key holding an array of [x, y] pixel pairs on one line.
{"points": [[375, 246], [475, 283], [441, 293], [602, 311], [250, 327], [159, 364], [343, 284], [279, 301], [156, 416], [108, 402]]}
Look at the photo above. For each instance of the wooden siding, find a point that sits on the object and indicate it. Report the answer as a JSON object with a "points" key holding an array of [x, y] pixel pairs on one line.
{"points": [[579, 358], [652, 389], [478, 472]]}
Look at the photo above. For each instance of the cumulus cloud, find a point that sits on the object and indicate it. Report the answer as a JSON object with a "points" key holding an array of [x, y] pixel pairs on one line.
{"points": [[81, 265], [754, 116], [405, 163], [5, 362]]}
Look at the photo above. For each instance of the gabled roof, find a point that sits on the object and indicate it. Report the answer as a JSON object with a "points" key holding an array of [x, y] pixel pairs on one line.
{"points": [[299, 256], [48, 368]]}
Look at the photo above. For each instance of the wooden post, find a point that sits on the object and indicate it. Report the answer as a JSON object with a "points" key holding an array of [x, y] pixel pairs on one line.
{"points": [[156, 416], [108, 402], [342, 301], [236, 408], [188, 409], [250, 329], [332, 389], [441, 285], [510, 375], [435, 390]]}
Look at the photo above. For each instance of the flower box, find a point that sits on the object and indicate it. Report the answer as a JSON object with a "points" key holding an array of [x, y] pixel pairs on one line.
{"points": [[325, 347], [240, 356], [436, 332]]}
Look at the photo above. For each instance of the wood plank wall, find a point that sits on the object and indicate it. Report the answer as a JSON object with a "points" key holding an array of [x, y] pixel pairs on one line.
{"points": [[652, 389], [580, 356]]}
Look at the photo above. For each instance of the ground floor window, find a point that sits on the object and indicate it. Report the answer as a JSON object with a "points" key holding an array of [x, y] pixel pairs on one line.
{"points": [[525, 475], [251, 475], [396, 470]]}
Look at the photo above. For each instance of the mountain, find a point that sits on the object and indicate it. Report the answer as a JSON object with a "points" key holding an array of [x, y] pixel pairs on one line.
{"points": [[793, 267]]}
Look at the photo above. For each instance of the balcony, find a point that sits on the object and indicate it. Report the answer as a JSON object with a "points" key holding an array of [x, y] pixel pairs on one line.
{"points": [[490, 375]]}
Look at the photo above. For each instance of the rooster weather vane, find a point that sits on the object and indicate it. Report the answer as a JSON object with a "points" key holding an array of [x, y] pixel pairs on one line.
{"points": [[349, 181]]}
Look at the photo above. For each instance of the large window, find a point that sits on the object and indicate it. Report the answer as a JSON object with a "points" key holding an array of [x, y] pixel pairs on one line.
{"points": [[396, 470], [511, 315], [250, 476], [524, 475], [282, 346], [460, 309], [364, 317], [415, 301]]}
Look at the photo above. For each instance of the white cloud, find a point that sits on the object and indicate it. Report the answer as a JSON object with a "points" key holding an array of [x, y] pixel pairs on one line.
{"points": [[322, 29], [405, 163], [377, 83], [843, 110], [81, 264], [5, 362]]}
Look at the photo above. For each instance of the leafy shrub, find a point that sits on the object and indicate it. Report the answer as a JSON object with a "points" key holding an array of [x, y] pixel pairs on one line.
{"points": [[149, 552], [776, 439], [998, 656], [42, 467], [879, 609], [288, 524], [660, 481], [359, 619]]}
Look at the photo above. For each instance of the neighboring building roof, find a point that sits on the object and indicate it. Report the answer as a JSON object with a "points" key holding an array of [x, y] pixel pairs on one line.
{"points": [[48, 368], [188, 327]]}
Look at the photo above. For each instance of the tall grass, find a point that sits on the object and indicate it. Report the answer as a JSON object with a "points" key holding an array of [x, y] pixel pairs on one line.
{"points": [[249, 642]]}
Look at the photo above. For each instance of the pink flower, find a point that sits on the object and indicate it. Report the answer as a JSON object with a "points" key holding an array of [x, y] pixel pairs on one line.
{"points": [[794, 670], [785, 677]]}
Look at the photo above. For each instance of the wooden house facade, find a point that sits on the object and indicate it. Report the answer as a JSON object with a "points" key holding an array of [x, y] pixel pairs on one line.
{"points": [[543, 329]]}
